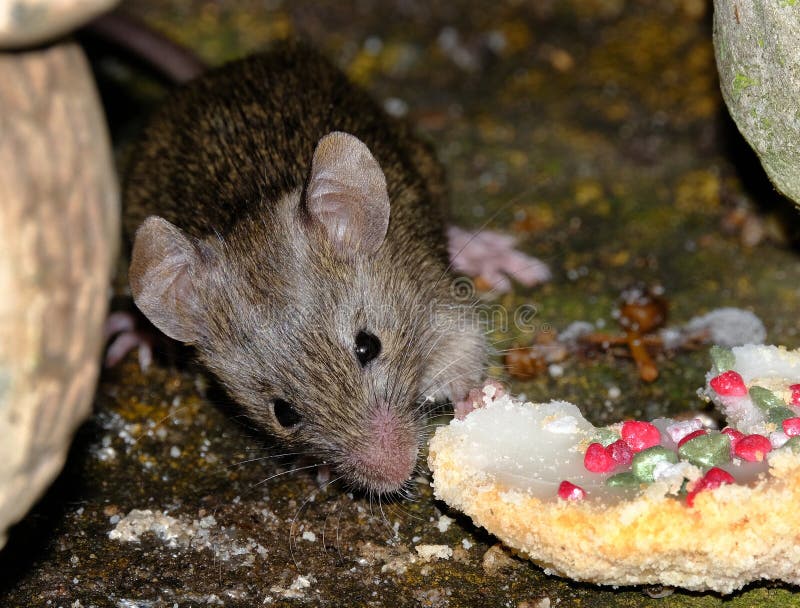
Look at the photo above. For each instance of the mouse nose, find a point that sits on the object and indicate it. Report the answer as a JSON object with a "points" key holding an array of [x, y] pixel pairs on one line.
{"points": [[389, 454]]}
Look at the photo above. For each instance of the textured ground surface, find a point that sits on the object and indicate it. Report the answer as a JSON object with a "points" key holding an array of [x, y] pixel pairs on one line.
{"points": [[595, 132]]}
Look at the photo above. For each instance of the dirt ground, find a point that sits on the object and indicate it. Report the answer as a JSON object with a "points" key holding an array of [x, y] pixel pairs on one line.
{"points": [[594, 131]]}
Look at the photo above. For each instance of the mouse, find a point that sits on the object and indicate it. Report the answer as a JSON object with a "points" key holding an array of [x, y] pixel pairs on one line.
{"points": [[292, 232]]}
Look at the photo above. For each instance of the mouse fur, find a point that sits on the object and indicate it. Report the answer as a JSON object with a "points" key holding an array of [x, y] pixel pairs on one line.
{"points": [[282, 222]]}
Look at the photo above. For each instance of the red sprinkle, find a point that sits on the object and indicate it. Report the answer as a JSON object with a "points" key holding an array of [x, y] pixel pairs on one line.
{"points": [[621, 452], [569, 491], [795, 388], [597, 459], [752, 448], [729, 384], [640, 435], [692, 435], [714, 478], [736, 436], [791, 426]]}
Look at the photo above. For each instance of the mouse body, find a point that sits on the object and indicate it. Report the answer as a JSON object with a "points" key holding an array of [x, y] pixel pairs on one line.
{"points": [[294, 233]]}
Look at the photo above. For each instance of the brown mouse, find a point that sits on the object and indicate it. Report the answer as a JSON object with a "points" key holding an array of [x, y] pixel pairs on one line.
{"points": [[293, 233]]}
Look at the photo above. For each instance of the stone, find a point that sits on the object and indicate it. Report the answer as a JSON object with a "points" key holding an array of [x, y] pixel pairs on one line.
{"points": [[757, 47]]}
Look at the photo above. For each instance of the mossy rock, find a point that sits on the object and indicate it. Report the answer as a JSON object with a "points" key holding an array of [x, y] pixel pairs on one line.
{"points": [[757, 46]]}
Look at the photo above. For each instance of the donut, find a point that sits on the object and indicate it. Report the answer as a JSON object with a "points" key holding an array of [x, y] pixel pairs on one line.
{"points": [[669, 502]]}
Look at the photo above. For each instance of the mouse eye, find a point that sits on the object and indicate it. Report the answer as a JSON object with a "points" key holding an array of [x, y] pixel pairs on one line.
{"points": [[286, 415], [368, 347]]}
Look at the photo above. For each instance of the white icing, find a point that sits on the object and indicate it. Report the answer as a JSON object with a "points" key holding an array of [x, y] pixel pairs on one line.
{"points": [[531, 448]]}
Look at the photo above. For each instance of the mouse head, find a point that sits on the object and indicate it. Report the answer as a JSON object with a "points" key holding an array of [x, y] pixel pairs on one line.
{"points": [[314, 321]]}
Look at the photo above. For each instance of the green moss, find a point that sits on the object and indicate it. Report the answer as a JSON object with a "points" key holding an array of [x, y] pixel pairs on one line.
{"points": [[742, 82]]}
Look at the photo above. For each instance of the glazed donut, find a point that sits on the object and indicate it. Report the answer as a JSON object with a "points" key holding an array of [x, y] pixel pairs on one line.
{"points": [[662, 502]]}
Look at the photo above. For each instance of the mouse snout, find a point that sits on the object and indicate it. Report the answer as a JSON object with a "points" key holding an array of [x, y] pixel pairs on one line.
{"points": [[388, 454]]}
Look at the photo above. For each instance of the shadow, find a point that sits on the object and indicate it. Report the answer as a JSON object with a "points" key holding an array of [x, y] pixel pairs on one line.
{"points": [[755, 183], [31, 540]]}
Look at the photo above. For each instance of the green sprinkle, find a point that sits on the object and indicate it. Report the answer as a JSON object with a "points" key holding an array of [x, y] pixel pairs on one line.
{"points": [[645, 461], [722, 358], [709, 450], [777, 415], [623, 480], [793, 444], [764, 398], [605, 437]]}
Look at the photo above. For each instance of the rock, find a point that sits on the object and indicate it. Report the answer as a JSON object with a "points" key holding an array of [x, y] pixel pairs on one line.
{"points": [[757, 46], [29, 22], [59, 221]]}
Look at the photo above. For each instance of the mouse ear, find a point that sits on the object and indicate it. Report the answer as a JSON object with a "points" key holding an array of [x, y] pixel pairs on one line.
{"points": [[164, 268], [347, 194]]}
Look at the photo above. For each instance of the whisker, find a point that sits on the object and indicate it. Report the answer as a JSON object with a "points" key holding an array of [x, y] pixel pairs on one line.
{"points": [[295, 470], [268, 457], [338, 538], [307, 501], [324, 528], [386, 521]]}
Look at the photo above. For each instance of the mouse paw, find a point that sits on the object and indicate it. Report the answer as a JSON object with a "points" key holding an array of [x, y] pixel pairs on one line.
{"points": [[122, 330], [475, 398], [490, 257]]}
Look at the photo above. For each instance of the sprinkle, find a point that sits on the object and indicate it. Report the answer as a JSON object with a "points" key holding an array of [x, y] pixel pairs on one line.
{"points": [[734, 434], [679, 430], [692, 435], [753, 448], [765, 398], [791, 426], [623, 480], [722, 358], [645, 461], [729, 384], [605, 436], [795, 388], [714, 478], [597, 459], [707, 450], [569, 491], [777, 415], [664, 469], [620, 452], [793, 444], [674, 473], [778, 439], [640, 435]]}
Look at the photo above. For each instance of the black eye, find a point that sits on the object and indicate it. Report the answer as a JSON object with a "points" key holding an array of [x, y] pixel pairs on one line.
{"points": [[287, 416], [367, 347]]}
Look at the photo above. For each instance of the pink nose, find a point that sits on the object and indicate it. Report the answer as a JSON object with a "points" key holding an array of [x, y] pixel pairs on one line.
{"points": [[389, 455]]}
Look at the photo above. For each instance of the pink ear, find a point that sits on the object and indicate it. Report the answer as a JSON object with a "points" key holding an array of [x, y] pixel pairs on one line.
{"points": [[165, 266], [347, 194]]}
